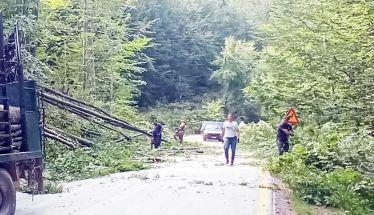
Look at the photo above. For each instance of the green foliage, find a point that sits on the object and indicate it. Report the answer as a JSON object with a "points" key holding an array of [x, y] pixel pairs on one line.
{"points": [[319, 167], [106, 158], [52, 187], [214, 110], [260, 138], [316, 57], [91, 52], [234, 67], [317, 60], [24, 13], [188, 34]]}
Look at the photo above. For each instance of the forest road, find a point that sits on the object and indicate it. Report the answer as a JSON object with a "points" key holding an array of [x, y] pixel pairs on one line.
{"points": [[189, 184]]}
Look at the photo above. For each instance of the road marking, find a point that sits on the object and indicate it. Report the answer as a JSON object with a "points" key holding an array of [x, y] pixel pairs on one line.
{"points": [[264, 203]]}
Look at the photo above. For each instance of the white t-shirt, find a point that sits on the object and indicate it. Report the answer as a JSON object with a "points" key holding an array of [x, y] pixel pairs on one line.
{"points": [[230, 128]]}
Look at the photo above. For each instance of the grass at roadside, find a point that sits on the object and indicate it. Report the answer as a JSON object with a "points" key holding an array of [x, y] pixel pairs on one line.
{"points": [[303, 208]]}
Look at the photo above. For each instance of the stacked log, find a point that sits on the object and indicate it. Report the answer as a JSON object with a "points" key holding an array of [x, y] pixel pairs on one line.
{"points": [[15, 128], [14, 115], [50, 132], [16, 138]]}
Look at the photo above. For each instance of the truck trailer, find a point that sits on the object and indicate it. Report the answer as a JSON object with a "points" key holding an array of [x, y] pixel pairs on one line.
{"points": [[21, 148]]}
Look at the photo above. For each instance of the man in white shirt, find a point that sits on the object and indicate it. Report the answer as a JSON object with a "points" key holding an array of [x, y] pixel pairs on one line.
{"points": [[230, 137]]}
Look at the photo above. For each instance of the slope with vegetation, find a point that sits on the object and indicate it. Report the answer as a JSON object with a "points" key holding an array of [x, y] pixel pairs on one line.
{"points": [[316, 56], [80, 50]]}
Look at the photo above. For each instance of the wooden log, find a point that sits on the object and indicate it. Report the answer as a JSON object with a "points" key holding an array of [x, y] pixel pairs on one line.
{"points": [[49, 90], [17, 144], [5, 149], [14, 142], [105, 126], [89, 118], [90, 114], [60, 136], [13, 127], [68, 106], [2, 142], [124, 136], [59, 139], [80, 140], [89, 132], [17, 139], [14, 134], [14, 114]]}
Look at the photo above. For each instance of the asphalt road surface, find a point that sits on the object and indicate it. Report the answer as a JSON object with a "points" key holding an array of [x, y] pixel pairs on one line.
{"points": [[192, 184]]}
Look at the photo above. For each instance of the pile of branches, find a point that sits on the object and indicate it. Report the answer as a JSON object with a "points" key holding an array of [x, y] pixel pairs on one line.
{"points": [[86, 111]]}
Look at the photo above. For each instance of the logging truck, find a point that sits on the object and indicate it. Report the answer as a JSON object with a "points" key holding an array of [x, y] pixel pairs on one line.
{"points": [[21, 148]]}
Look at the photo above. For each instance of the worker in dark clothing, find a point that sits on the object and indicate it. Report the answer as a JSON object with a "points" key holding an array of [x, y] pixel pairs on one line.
{"points": [[284, 132], [157, 135]]}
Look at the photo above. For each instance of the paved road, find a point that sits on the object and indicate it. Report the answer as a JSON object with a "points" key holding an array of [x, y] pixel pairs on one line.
{"points": [[190, 185]]}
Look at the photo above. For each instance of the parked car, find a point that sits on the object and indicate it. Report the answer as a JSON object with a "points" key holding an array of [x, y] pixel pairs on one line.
{"points": [[210, 123], [212, 132]]}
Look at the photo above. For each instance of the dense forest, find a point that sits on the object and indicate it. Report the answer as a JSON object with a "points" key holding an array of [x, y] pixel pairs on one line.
{"points": [[200, 59]]}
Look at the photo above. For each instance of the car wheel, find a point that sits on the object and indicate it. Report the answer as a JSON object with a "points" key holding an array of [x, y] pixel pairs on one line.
{"points": [[7, 193]]}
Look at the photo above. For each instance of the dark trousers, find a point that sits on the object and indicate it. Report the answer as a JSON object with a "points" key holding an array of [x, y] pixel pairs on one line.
{"points": [[157, 141], [283, 146]]}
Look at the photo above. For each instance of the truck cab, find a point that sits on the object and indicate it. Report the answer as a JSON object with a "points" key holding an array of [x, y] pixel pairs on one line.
{"points": [[21, 151]]}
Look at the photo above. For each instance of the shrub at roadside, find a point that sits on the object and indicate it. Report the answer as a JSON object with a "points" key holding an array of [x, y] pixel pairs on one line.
{"points": [[260, 137], [103, 159], [328, 165]]}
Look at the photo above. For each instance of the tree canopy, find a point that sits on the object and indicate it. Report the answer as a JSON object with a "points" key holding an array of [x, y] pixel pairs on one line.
{"points": [[317, 57]]}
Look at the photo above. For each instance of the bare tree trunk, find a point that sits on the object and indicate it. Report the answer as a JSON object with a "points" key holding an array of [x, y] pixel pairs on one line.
{"points": [[84, 44]]}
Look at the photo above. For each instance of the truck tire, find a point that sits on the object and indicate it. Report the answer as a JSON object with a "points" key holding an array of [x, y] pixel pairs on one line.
{"points": [[8, 194]]}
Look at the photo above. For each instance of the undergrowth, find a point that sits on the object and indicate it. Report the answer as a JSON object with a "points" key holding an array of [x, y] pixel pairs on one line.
{"points": [[328, 165], [64, 164]]}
